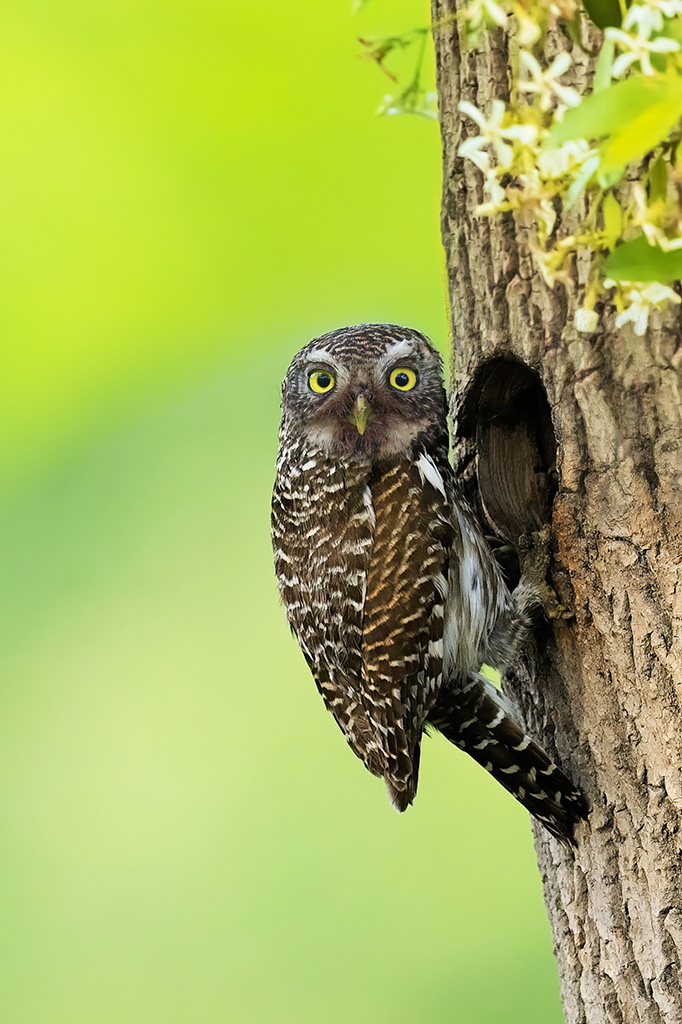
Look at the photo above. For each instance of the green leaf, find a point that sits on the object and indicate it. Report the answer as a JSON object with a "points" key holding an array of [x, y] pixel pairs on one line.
{"points": [[604, 13], [647, 127], [613, 219], [630, 117], [612, 110], [658, 179], [638, 261], [602, 72], [610, 179], [572, 28]]}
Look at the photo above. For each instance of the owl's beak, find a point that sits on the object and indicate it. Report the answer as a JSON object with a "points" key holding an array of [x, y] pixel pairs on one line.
{"points": [[360, 413]]}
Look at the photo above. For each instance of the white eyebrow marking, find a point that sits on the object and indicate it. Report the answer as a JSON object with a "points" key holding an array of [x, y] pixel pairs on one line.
{"points": [[318, 355], [398, 350], [429, 471]]}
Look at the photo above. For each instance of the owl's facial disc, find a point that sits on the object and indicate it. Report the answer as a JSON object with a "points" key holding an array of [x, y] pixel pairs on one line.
{"points": [[372, 411], [370, 393]]}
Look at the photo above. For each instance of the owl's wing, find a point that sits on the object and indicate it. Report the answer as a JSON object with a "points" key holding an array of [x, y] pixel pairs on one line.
{"points": [[402, 628], [362, 566], [323, 529]]}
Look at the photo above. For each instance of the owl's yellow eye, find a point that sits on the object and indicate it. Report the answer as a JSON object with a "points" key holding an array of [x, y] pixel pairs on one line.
{"points": [[321, 381], [402, 378]]}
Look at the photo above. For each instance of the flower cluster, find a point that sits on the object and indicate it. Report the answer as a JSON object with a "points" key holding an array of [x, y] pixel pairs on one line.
{"points": [[542, 151], [635, 301], [520, 171]]}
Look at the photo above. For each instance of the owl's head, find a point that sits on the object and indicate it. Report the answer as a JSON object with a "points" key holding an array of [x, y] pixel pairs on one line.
{"points": [[372, 391]]}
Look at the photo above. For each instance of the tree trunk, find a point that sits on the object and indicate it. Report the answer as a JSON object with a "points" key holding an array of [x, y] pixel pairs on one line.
{"points": [[599, 457]]}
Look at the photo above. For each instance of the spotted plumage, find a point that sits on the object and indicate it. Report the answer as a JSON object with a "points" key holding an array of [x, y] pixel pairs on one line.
{"points": [[387, 581]]}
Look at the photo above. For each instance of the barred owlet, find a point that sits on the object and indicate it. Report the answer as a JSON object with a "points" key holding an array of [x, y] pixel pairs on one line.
{"points": [[388, 583]]}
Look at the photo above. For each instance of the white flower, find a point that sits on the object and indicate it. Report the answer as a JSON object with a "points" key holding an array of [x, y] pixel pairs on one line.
{"points": [[546, 215], [637, 312], [637, 49], [497, 197], [553, 163], [669, 7], [412, 101], [481, 11], [640, 299], [645, 217], [562, 8], [657, 293], [389, 107], [586, 321], [545, 84], [553, 263], [494, 134], [471, 149], [667, 244], [648, 17], [529, 30]]}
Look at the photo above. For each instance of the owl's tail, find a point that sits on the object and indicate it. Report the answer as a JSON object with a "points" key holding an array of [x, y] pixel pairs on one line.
{"points": [[401, 789], [477, 719]]}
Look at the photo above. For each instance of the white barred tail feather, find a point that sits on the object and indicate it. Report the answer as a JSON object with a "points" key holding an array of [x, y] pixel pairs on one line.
{"points": [[479, 720]]}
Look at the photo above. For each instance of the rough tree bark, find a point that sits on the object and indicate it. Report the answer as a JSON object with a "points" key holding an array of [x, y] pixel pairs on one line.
{"points": [[602, 461]]}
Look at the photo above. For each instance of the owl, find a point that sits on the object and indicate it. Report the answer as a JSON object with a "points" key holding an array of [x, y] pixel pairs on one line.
{"points": [[388, 582]]}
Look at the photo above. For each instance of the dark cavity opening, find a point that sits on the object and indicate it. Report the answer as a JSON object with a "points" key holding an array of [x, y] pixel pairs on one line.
{"points": [[507, 415]]}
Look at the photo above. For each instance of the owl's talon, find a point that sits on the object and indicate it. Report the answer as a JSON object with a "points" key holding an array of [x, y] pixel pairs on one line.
{"points": [[551, 605], [534, 557]]}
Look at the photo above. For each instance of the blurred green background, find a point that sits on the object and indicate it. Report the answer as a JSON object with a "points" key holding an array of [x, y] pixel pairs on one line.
{"points": [[189, 191]]}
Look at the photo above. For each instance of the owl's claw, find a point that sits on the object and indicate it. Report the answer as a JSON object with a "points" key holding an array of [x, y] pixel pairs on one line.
{"points": [[534, 555], [551, 605]]}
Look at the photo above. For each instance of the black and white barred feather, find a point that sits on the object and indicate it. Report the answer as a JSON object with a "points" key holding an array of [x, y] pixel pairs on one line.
{"points": [[389, 586]]}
